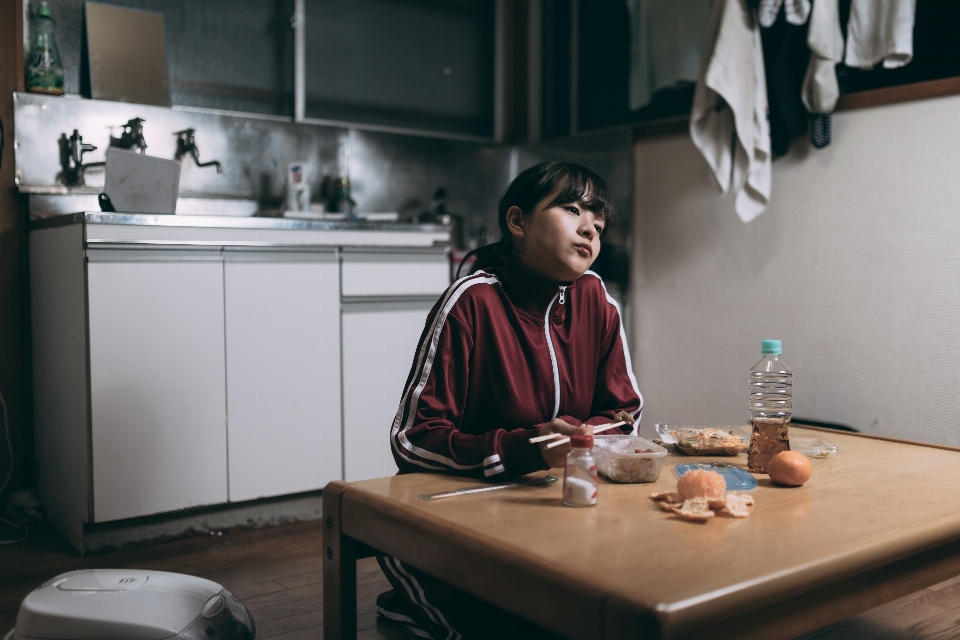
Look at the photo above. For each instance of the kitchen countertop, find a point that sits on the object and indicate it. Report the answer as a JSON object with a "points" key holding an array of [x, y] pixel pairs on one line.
{"points": [[230, 222], [127, 228]]}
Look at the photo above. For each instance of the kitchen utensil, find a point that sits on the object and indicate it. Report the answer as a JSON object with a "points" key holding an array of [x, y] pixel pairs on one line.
{"points": [[519, 482], [106, 205]]}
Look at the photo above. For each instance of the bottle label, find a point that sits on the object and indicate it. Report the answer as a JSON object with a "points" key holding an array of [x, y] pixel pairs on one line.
{"points": [[42, 75], [41, 59]]}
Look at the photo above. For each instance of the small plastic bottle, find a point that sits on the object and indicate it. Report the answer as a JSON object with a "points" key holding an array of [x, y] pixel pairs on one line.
{"points": [[44, 71], [771, 406], [580, 473]]}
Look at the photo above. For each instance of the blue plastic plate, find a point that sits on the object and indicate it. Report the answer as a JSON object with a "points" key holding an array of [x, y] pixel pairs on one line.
{"points": [[736, 478]]}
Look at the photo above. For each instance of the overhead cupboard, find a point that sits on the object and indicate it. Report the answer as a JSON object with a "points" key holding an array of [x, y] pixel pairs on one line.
{"points": [[174, 371]]}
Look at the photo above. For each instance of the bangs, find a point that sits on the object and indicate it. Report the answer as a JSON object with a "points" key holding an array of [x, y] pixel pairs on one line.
{"points": [[579, 185], [555, 183]]}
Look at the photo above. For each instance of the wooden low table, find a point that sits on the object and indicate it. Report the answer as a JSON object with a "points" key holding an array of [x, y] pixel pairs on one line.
{"points": [[877, 521]]}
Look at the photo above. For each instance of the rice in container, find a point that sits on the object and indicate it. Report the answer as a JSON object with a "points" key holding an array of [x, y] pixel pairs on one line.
{"points": [[617, 459]]}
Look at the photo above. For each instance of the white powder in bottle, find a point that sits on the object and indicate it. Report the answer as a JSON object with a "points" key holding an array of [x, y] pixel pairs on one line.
{"points": [[578, 492]]}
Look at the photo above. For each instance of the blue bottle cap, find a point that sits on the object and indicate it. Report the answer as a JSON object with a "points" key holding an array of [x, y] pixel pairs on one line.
{"points": [[770, 347]]}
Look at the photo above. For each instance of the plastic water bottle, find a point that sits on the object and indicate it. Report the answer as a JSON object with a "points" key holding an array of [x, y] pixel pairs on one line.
{"points": [[771, 406], [44, 71]]}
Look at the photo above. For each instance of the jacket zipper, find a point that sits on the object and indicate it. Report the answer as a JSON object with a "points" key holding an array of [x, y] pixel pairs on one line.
{"points": [[553, 354], [563, 295]]}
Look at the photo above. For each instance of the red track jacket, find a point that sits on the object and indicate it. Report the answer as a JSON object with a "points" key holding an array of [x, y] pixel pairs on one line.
{"points": [[503, 352]]}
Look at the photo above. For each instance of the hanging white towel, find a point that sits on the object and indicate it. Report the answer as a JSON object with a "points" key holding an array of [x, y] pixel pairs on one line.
{"points": [[820, 89], [666, 40], [728, 122], [880, 30]]}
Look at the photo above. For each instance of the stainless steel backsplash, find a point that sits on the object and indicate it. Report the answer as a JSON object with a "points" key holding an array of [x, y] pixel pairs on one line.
{"points": [[388, 172]]}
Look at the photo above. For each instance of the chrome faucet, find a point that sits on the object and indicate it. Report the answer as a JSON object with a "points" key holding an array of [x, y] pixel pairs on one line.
{"points": [[71, 159], [187, 145], [132, 136]]}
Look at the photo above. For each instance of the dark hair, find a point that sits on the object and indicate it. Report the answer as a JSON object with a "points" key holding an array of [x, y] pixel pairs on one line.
{"points": [[567, 182]]}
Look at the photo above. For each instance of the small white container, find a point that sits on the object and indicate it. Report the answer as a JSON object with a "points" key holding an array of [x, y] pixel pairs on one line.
{"points": [[618, 460], [580, 473]]}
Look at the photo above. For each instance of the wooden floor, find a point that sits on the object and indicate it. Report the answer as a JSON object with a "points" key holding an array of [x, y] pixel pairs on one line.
{"points": [[277, 573]]}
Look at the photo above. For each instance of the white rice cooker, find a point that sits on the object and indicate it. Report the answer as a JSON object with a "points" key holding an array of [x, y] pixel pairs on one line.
{"points": [[120, 604]]}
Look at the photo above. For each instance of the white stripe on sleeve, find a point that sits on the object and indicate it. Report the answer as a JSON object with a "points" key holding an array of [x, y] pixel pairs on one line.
{"points": [[626, 350], [425, 359]]}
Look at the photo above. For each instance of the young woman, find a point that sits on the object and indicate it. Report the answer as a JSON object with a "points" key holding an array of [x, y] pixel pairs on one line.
{"points": [[529, 343]]}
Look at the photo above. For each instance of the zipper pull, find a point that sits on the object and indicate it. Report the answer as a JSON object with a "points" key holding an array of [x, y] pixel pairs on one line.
{"points": [[563, 294]]}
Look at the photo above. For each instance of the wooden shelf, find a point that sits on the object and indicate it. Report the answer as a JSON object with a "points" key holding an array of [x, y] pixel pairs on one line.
{"points": [[847, 102], [899, 93]]}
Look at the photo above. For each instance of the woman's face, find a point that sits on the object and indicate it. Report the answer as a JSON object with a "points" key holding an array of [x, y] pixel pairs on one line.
{"points": [[560, 242]]}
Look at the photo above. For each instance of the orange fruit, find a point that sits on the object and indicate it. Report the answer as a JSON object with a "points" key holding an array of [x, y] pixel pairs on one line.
{"points": [[701, 483], [789, 468]]}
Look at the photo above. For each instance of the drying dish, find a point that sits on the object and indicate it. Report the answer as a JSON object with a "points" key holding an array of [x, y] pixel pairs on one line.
{"points": [[704, 441]]}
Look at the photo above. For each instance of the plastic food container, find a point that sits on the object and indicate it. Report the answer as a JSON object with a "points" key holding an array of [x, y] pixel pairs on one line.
{"points": [[704, 441], [735, 478], [618, 460], [812, 445]]}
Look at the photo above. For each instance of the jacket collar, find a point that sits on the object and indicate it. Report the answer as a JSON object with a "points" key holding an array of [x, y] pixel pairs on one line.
{"points": [[527, 289]]}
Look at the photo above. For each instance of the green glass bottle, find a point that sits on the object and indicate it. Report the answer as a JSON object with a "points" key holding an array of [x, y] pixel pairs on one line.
{"points": [[44, 71]]}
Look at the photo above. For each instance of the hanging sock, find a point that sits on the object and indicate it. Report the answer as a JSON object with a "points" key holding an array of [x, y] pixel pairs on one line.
{"points": [[820, 87], [786, 56], [820, 130], [797, 11]]}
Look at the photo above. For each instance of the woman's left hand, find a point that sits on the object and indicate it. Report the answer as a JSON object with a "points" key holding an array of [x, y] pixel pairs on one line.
{"points": [[556, 457]]}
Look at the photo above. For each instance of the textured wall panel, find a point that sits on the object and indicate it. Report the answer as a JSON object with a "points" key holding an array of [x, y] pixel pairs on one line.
{"points": [[388, 172], [855, 266], [221, 54]]}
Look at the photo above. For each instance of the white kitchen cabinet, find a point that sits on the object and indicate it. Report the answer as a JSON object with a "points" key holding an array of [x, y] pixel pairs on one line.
{"points": [[379, 343], [385, 297], [394, 274], [186, 361], [283, 371], [157, 392]]}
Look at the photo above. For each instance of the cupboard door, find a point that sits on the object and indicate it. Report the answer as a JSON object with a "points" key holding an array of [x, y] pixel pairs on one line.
{"points": [[413, 65], [157, 389], [283, 372], [379, 342], [393, 274]]}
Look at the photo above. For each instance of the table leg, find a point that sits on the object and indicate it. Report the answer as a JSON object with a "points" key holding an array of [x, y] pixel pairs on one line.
{"points": [[339, 571]]}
